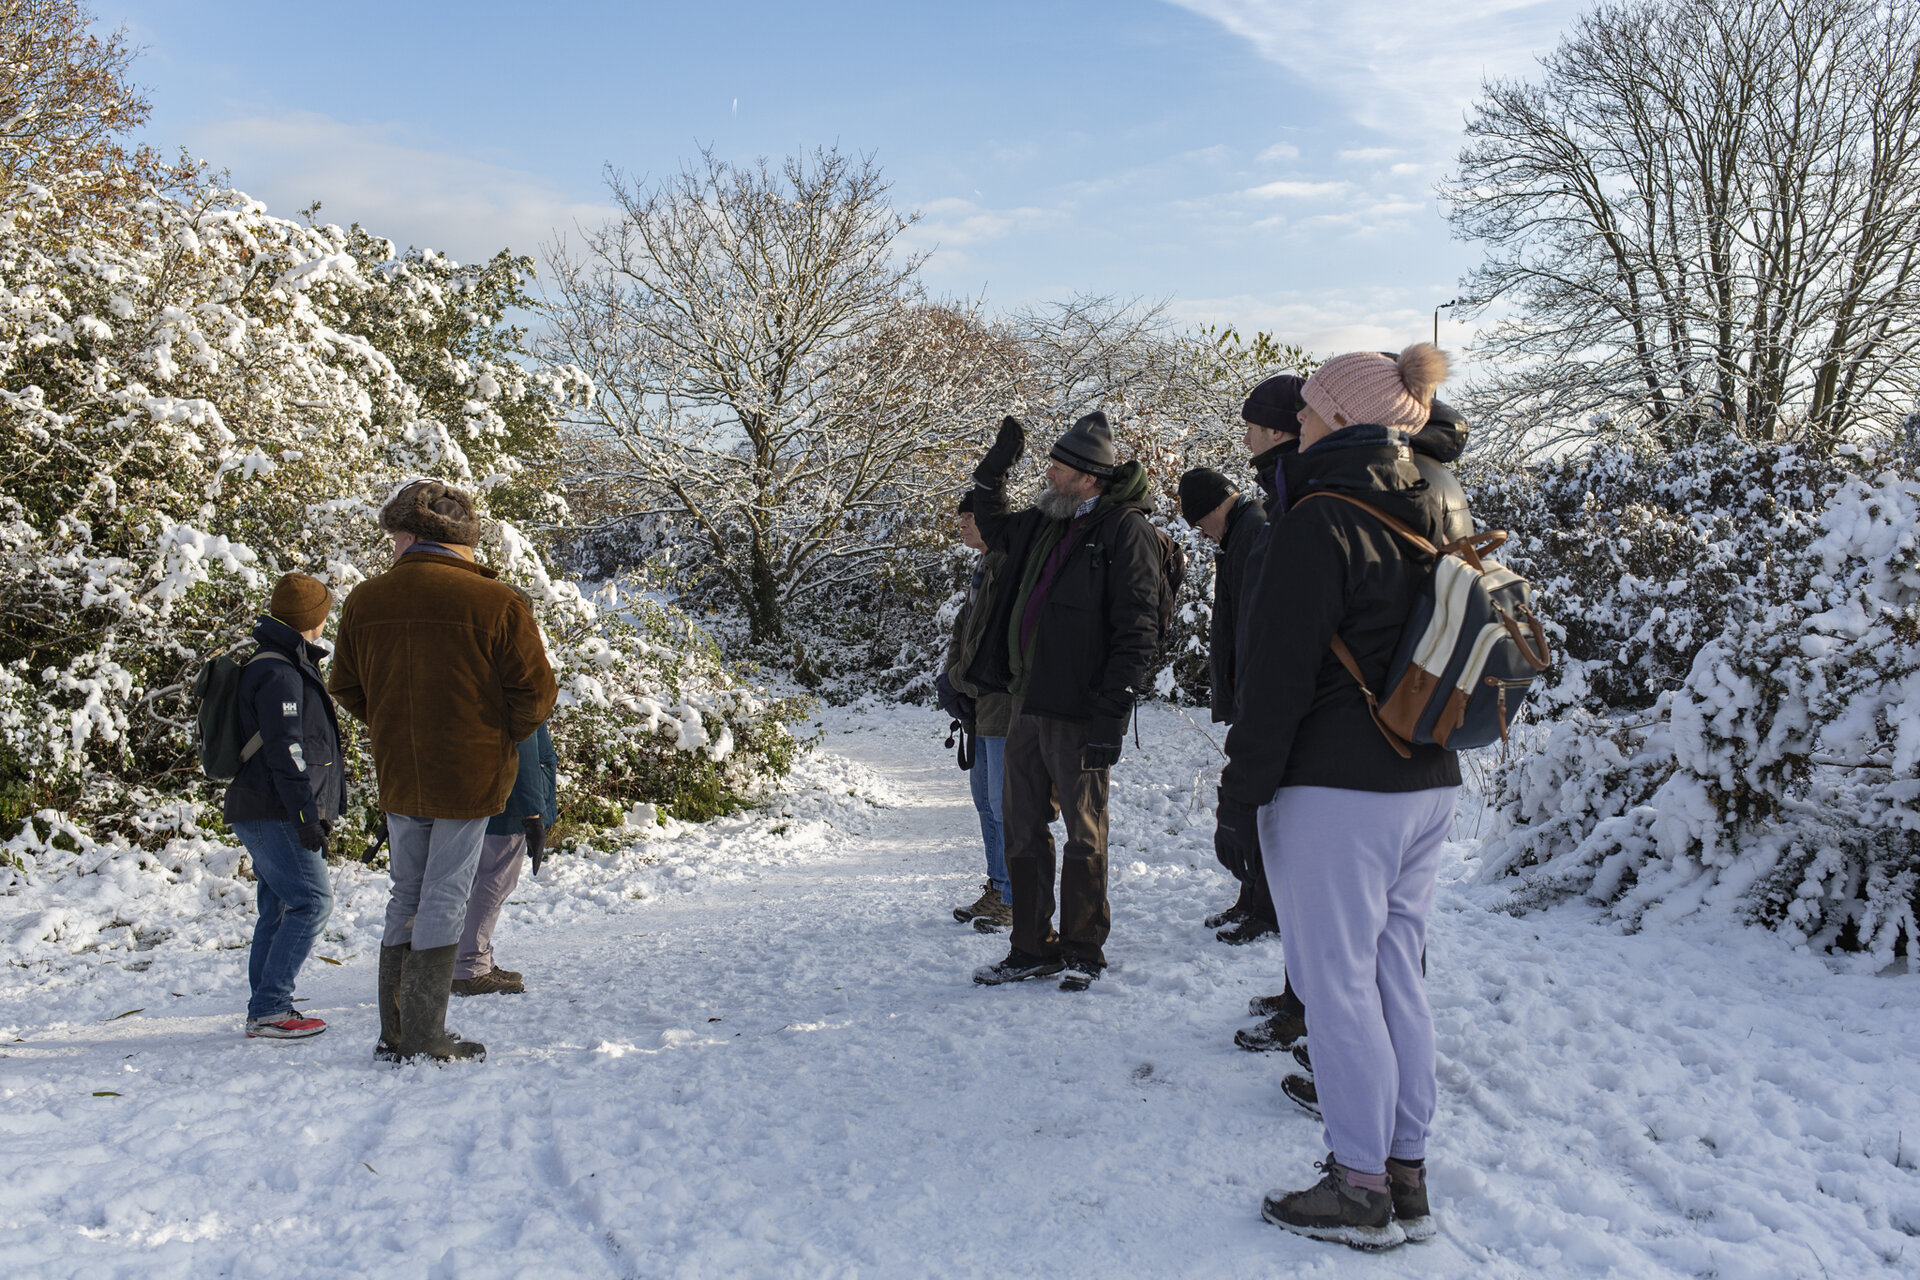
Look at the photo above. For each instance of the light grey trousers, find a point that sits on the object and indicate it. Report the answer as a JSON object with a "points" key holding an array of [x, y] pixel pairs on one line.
{"points": [[432, 861], [498, 873], [1353, 875]]}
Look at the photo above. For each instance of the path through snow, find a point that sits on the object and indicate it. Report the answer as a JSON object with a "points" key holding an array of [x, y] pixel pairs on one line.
{"points": [[753, 1050]]}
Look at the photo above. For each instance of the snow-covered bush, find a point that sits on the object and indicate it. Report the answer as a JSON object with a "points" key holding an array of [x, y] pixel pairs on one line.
{"points": [[1781, 777], [197, 396]]}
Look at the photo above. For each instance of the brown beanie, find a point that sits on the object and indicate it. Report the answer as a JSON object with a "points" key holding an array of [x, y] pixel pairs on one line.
{"points": [[1367, 387], [434, 511], [300, 602]]}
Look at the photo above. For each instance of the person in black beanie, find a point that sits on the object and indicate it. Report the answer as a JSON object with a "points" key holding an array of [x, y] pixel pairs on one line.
{"points": [[1073, 640]]}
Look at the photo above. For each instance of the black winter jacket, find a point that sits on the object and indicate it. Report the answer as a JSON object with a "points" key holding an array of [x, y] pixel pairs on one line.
{"points": [[298, 774], [1436, 446], [1245, 524], [1329, 569], [1100, 623]]}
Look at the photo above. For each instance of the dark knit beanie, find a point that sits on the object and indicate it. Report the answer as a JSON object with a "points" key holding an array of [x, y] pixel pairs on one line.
{"points": [[1201, 490], [1088, 446], [966, 502], [434, 511], [1276, 404], [300, 602]]}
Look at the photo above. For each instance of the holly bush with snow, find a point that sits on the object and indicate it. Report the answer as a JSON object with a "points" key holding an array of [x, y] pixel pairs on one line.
{"points": [[1738, 702]]}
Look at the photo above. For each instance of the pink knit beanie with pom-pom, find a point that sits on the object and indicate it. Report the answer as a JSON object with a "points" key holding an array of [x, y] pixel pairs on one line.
{"points": [[1367, 387]]}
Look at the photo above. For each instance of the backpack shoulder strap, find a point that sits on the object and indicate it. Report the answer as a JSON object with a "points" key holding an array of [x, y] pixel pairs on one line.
{"points": [[1405, 531], [254, 743]]}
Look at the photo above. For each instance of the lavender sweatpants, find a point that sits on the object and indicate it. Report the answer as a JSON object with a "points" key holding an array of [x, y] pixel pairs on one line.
{"points": [[1353, 875], [495, 878]]}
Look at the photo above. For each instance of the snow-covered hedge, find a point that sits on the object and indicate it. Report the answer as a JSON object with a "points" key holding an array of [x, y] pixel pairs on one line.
{"points": [[1752, 739], [196, 396]]}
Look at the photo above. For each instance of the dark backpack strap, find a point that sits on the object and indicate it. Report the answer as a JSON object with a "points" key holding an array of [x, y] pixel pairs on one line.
{"points": [[254, 743], [1397, 526]]}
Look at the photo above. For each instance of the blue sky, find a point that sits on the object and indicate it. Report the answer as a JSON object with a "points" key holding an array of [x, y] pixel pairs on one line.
{"points": [[1266, 164]]}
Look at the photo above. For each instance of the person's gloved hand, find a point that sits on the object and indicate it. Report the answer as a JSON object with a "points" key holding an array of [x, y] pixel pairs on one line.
{"points": [[1236, 836], [957, 705], [536, 842], [1008, 448], [313, 836], [1101, 750]]}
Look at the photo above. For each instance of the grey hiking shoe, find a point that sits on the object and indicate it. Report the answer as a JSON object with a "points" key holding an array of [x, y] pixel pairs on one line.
{"points": [[1335, 1209], [1408, 1185], [985, 904], [1018, 967]]}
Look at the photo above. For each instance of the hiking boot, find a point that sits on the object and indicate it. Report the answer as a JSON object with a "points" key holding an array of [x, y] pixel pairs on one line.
{"points": [[1301, 1092], [1408, 1185], [426, 984], [1018, 967], [1335, 1208], [1080, 974], [1248, 928], [1301, 1056], [1281, 1031], [985, 904], [284, 1026], [511, 976], [1285, 1002], [1232, 915], [494, 982], [995, 917]]}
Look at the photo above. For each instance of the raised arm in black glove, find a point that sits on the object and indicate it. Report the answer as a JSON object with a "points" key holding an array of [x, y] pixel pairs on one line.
{"points": [[536, 842], [1008, 448], [1236, 836]]}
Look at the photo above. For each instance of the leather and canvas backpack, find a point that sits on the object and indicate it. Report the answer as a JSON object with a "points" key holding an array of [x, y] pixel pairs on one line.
{"points": [[1468, 653]]}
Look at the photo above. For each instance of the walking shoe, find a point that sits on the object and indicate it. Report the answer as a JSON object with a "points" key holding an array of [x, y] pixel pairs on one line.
{"points": [[1232, 915], [1301, 1056], [1018, 967], [1281, 1031], [1336, 1209], [1301, 1092], [492, 982], [510, 975], [1080, 974], [996, 916], [982, 905], [1249, 928], [284, 1026], [1408, 1185], [1285, 1002]]}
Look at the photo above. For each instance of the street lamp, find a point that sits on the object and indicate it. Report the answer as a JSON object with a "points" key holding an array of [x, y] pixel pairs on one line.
{"points": [[1451, 302]]}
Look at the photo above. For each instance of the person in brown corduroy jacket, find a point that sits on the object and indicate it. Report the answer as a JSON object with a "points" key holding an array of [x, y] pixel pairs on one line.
{"points": [[445, 665]]}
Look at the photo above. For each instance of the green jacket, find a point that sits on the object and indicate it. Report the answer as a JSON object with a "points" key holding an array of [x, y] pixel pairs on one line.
{"points": [[993, 708]]}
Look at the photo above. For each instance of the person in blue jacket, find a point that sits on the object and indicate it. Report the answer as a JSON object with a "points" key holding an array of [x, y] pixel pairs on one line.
{"points": [[521, 829], [283, 803]]}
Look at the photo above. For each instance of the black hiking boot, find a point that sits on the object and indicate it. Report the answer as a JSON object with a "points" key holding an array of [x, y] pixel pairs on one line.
{"points": [[1281, 1031], [1335, 1209], [1408, 1185], [1080, 974], [1301, 1056], [1301, 1093], [1249, 928], [1018, 967], [985, 904], [1232, 915], [1285, 1002]]}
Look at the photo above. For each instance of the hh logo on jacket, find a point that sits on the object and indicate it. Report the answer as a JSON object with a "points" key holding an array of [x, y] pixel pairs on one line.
{"points": [[289, 708]]}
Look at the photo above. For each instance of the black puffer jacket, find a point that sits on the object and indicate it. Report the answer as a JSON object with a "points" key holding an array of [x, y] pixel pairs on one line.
{"points": [[1435, 448], [1331, 568], [1245, 524], [298, 774], [1100, 621]]}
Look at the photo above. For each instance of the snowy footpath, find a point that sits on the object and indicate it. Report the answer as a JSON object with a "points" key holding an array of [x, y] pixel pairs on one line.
{"points": [[753, 1049]]}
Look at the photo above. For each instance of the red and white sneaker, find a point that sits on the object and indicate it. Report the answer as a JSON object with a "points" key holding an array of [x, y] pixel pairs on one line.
{"points": [[284, 1026]]}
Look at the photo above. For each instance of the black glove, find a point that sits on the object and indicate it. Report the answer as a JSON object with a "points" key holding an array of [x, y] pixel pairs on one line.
{"points": [[536, 842], [313, 836], [956, 704], [1236, 837], [1105, 737], [1008, 448]]}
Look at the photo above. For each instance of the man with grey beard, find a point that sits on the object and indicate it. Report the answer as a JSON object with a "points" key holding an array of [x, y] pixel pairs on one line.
{"points": [[1072, 639]]}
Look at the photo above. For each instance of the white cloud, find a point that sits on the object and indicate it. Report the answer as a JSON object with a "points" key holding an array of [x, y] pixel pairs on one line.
{"points": [[1329, 322], [1368, 155], [1295, 190], [1277, 152], [462, 206], [1397, 66]]}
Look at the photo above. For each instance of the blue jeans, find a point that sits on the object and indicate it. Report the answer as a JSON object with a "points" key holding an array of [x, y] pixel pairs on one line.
{"points": [[988, 777], [295, 898]]}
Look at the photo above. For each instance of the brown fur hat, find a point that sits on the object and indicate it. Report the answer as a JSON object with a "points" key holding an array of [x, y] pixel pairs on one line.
{"points": [[434, 511]]}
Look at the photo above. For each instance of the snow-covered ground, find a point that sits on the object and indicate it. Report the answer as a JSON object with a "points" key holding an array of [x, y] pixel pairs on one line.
{"points": [[753, 1049]]}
